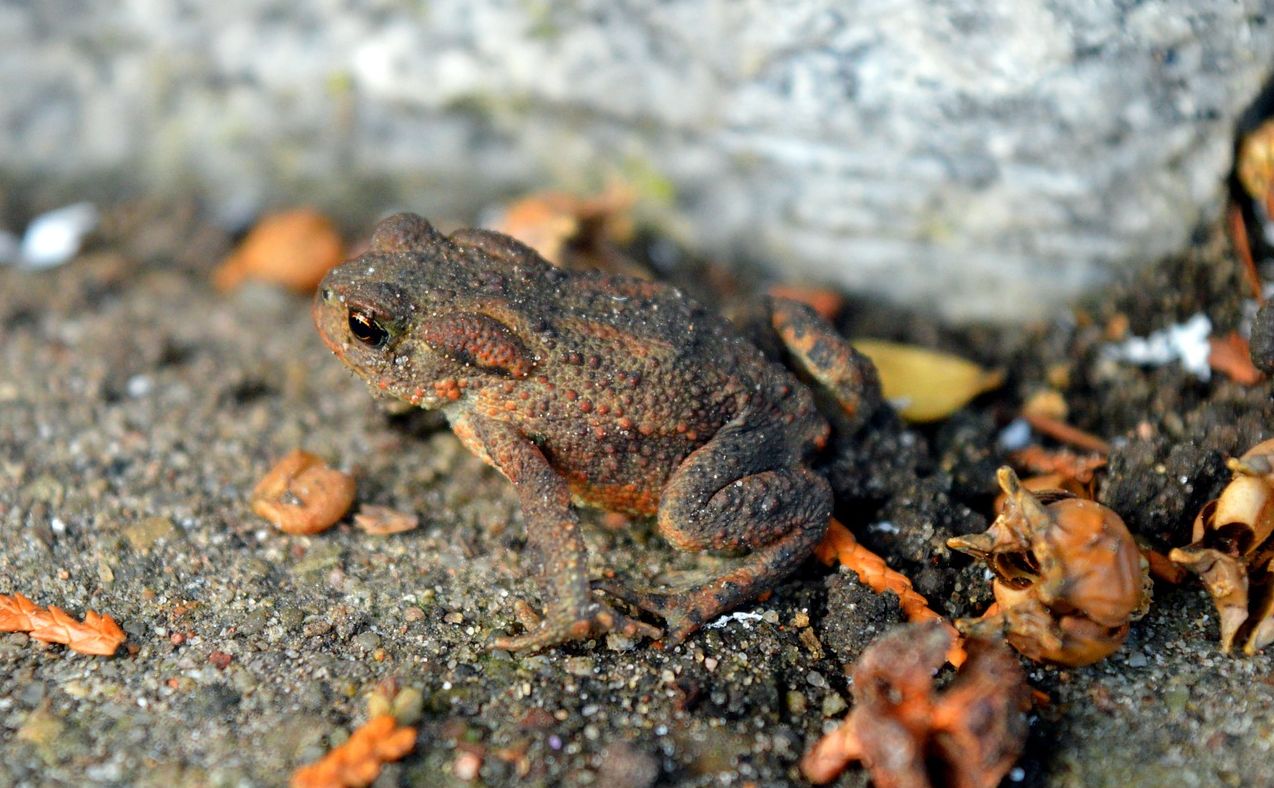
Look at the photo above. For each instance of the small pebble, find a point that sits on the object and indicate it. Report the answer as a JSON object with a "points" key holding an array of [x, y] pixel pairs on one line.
{"points": [[367, 641], [833, 704]]}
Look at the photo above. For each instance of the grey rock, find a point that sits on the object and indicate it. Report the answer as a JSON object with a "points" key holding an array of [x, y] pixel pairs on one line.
{"points": [[989, 158]]}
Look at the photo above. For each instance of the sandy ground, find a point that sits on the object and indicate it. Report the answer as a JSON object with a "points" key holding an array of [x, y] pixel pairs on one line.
{"points": [[138, 407]]}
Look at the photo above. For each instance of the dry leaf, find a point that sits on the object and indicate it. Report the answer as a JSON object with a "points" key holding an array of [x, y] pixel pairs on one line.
{"points": [[294, 249], [840, 546], [550, 221], [302, 495], [97, 634], [383, 521], [1046, 402], [923, 384], [358, 761], [1231, 356], [826, 302]]}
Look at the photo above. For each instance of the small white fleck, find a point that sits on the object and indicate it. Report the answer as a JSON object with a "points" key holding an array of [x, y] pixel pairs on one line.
{"points": [[884, 526], [1015, 436], [743, 617], [53, 238], [138, 386], [1017, 774], [1185, 342], [57, 525]]}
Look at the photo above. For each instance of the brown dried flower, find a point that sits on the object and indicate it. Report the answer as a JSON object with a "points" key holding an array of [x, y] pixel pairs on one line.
{"points": [[1231, 550], [302, 495], [1069, 576], [907, 734]]}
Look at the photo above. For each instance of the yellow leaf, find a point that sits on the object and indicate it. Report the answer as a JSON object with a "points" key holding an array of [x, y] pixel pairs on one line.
{"points": [[923, 384]]}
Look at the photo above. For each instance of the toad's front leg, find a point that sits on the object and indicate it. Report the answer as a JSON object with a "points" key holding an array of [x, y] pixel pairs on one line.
{"points": [[571, 612]]}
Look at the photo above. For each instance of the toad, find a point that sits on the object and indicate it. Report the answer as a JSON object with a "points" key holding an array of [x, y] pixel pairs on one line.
{"points": [[605, 391]]}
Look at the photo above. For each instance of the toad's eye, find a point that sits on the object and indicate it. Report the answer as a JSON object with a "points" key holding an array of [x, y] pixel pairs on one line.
{"points": [[367, 329]]}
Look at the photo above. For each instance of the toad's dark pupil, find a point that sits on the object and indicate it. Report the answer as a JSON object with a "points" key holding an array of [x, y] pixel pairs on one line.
{"points": [[365, 328]]}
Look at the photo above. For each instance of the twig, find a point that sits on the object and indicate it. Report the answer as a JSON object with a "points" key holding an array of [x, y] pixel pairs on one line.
{"points": [[840, 546], [1066, 433]]}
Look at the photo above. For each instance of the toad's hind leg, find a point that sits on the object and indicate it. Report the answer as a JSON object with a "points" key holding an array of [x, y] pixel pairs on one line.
{"points": [[744, 489]]}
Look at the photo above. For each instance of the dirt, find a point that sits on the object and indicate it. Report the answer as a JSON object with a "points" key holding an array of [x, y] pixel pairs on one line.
{"points": [[138, 407]]}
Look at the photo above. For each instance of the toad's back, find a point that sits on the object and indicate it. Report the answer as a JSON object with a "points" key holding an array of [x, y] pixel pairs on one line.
{"points": [[635, 376]]}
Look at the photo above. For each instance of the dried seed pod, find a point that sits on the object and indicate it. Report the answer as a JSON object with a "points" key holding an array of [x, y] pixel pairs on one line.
{"points": [[1232, 553], [302, 495], [1255, 164], [1069, 576], [969, 734]]}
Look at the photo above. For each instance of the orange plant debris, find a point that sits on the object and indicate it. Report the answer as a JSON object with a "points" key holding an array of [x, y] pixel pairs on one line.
{"points": [[294, 249], [358, 761], [302, 495], [1231, 357], [383, 521], [97, 634], [1065, 433], [551, 222], [1162, 568], [826, 302], [1238, 236], [1063, 462], [840, 546]]}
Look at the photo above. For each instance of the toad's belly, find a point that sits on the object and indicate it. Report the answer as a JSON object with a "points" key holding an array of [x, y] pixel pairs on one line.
{"points": [[629, 498]]}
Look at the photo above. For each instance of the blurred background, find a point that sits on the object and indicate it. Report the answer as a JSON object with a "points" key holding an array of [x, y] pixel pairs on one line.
{"points": [[987, 159]]}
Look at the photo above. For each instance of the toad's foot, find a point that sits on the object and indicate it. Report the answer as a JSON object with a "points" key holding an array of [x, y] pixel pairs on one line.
{"points": [[563, 626], [683, 613]]}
